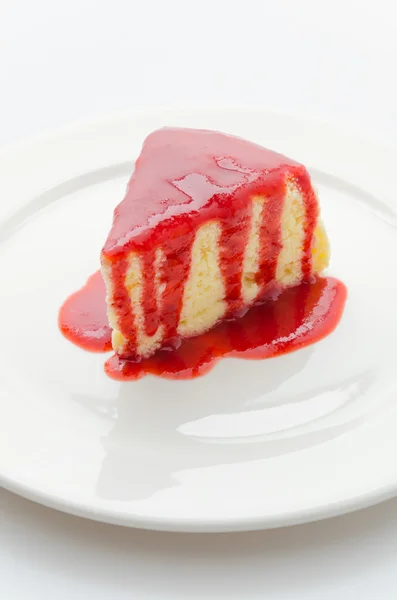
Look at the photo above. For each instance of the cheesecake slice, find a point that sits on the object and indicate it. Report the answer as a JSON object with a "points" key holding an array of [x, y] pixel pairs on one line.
{"points": [[210, 225]]}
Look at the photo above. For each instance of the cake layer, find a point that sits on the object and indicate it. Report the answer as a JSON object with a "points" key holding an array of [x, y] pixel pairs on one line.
{"points": [[210, 225]]}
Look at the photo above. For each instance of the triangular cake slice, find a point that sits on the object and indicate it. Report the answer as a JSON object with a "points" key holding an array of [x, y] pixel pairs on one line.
{"points": [[210, 225]]}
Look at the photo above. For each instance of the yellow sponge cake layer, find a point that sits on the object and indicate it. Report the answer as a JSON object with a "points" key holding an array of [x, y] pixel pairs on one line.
{"points": [[204, 301]]}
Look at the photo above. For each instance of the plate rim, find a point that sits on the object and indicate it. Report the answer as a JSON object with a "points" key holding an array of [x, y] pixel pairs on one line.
{"points": [[217, 525]]}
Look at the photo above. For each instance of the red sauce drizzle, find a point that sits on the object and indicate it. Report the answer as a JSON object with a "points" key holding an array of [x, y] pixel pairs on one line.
{"points": [[175, 272], [299, 317], [270, 234], [311, 214], [149, 300], [235, 232], [122, 303]]}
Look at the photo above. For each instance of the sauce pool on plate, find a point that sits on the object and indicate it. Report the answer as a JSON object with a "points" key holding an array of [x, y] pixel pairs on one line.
{"points": [[300, 316]]}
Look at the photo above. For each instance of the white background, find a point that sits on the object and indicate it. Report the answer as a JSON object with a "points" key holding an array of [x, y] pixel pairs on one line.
{"points": [[67, 60]]}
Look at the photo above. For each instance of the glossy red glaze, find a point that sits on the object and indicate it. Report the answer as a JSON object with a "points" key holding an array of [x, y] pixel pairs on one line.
{"points": [[182, 179], [186, 176], [299, 317]]}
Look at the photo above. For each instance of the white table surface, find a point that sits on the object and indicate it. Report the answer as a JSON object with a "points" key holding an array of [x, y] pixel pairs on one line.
{"points": [[62, 61]]}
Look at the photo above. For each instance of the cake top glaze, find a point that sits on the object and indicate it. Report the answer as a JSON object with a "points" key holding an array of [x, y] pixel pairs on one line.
{"points": [[182, 171]]}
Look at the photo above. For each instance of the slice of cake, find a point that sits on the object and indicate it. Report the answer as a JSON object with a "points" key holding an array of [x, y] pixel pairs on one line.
{"points": [[210, 225]]}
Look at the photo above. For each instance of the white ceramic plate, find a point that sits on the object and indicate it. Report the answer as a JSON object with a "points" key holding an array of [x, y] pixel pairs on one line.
{"points": [[253, 444]]}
